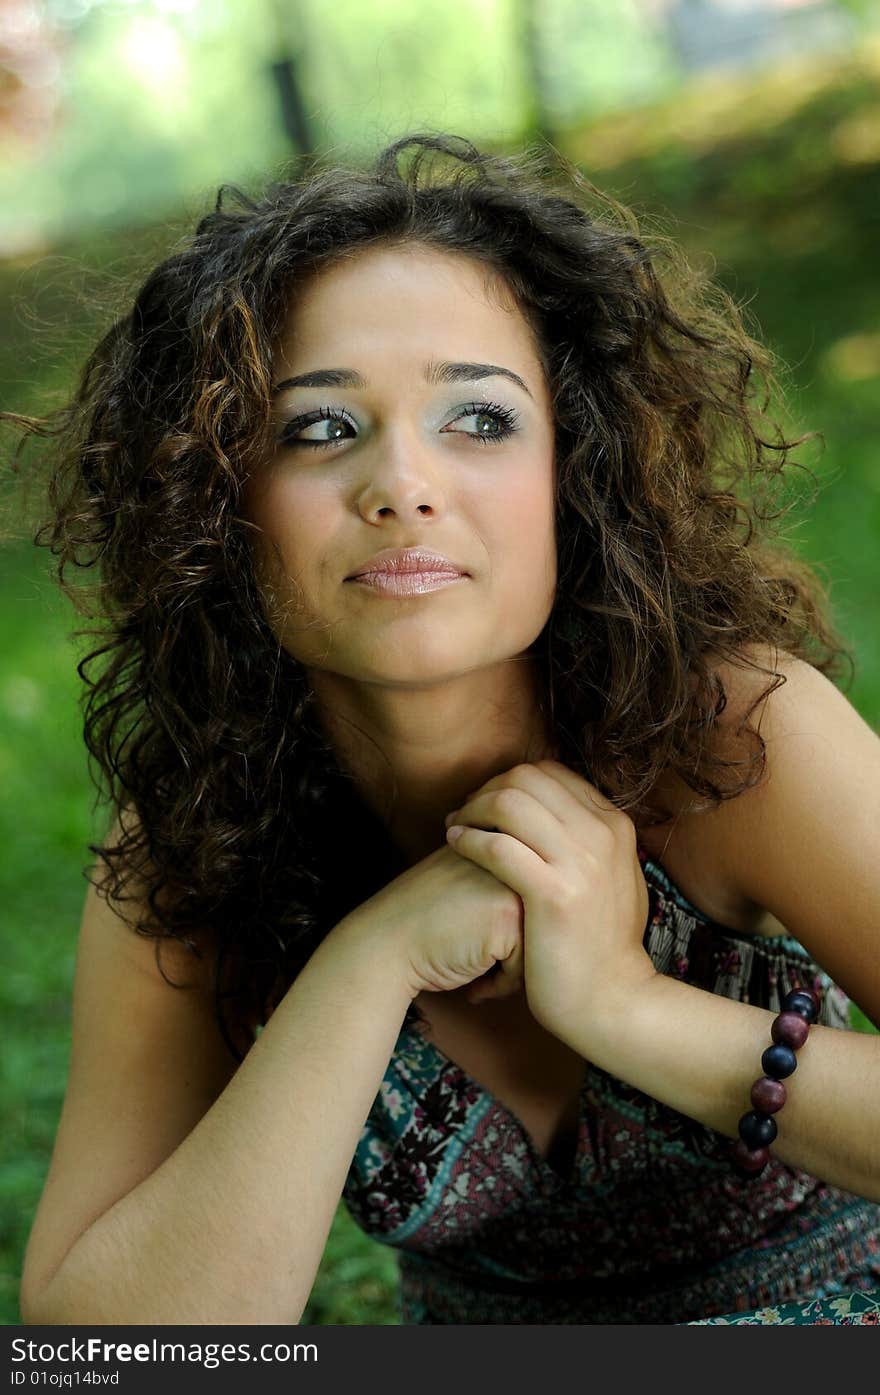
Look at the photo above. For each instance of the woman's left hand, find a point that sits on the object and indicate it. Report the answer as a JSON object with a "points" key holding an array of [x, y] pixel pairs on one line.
{"points": [[570, 855]]}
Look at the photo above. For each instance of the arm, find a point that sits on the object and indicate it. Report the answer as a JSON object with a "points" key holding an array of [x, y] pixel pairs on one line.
{"points": [[181, 1192], [162, 1206], [700, 1053], [804, 845]]}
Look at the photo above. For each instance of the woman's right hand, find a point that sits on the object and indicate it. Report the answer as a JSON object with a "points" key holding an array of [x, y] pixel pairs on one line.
{"points": [[449, 922]]}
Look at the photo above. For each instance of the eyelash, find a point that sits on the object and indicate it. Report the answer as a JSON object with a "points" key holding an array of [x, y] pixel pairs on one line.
{"points": [[505, 415]]}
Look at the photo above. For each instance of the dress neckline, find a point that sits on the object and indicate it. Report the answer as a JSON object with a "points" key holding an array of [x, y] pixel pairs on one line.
{"points": [[549, 1173]]}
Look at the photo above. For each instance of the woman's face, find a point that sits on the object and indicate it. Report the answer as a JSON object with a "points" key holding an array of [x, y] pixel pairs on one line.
{"points": [[423, 421]]}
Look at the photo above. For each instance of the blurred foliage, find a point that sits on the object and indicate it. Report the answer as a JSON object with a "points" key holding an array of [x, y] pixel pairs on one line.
{"points": [[156, 101], [117, 110], [777, 182]]}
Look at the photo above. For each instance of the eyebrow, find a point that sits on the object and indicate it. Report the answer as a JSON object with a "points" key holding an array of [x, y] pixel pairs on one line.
{"points": [[434, 373]]}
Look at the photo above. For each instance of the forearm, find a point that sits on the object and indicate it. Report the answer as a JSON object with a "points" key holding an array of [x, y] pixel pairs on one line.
{"points": [[700, 1053], [231, 1227]]}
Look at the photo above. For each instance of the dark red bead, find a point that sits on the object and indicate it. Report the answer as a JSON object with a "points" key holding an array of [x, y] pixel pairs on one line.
{"points": [[757, 1130], [790, 1029], [767, 1095], [779, 1062], [750, 1160]]}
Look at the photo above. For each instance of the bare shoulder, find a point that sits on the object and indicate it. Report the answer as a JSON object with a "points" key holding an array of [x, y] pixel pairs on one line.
{"points": [[188, 965], [782, 698], [802, 844]]}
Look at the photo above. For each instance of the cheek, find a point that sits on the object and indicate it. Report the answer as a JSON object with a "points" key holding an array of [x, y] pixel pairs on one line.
{"points": [[294, 523], [523, 526]]}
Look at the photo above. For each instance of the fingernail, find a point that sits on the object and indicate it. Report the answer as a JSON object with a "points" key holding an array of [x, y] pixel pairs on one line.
{"points": [[455, 832]]}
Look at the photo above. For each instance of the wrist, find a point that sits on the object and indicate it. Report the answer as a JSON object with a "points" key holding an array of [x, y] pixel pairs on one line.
{"points": [[606, 1016], [373, 958]]}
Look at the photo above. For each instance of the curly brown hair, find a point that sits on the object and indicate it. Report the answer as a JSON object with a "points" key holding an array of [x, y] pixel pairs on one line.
{"points": [[204, 727]]}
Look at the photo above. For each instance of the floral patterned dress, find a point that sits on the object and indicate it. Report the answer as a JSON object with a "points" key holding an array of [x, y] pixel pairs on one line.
{"points": [[651, 1224]]}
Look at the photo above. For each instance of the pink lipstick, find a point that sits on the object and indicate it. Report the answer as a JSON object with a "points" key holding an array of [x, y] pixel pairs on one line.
{"points": [[407, 583]]}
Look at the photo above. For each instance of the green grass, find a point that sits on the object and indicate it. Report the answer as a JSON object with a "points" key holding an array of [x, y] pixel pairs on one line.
{"points": [[794, 225]]}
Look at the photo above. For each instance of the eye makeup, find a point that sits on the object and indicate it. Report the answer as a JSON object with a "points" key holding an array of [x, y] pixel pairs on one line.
{"points": [[506, 422]]}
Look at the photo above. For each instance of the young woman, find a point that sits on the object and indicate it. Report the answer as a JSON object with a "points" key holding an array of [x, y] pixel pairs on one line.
{"points": [[479, 789]]}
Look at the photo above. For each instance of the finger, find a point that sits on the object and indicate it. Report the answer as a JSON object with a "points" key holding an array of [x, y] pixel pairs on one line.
{"points": [[503, 981], [513, 863], [568, 794], [513, 811], [581, 789], [562, 791]]}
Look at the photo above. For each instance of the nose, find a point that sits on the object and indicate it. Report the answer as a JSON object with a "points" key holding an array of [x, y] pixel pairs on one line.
{"points": [[402, 481]]}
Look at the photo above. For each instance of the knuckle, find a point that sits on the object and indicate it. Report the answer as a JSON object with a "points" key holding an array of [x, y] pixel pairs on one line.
{"points": [[522, 773], [561, 895], [508, 910], [508, 800]]}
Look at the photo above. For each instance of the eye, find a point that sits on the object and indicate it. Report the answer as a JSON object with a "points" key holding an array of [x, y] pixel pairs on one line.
{"points": [[494, 422], [329, 422]]}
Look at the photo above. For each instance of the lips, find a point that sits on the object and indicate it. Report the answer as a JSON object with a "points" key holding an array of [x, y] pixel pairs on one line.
{"points": [[407, 583], [408, 561]]}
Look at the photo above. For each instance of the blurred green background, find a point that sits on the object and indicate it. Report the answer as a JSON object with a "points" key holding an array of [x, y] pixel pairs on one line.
{"points": [[750, 131]]}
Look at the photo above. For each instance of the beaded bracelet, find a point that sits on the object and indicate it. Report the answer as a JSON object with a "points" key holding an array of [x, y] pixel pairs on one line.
{"points": [[757, 1129]]}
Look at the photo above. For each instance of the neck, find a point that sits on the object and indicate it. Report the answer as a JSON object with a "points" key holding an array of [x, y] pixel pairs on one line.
{"points": [[415, 753]]}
